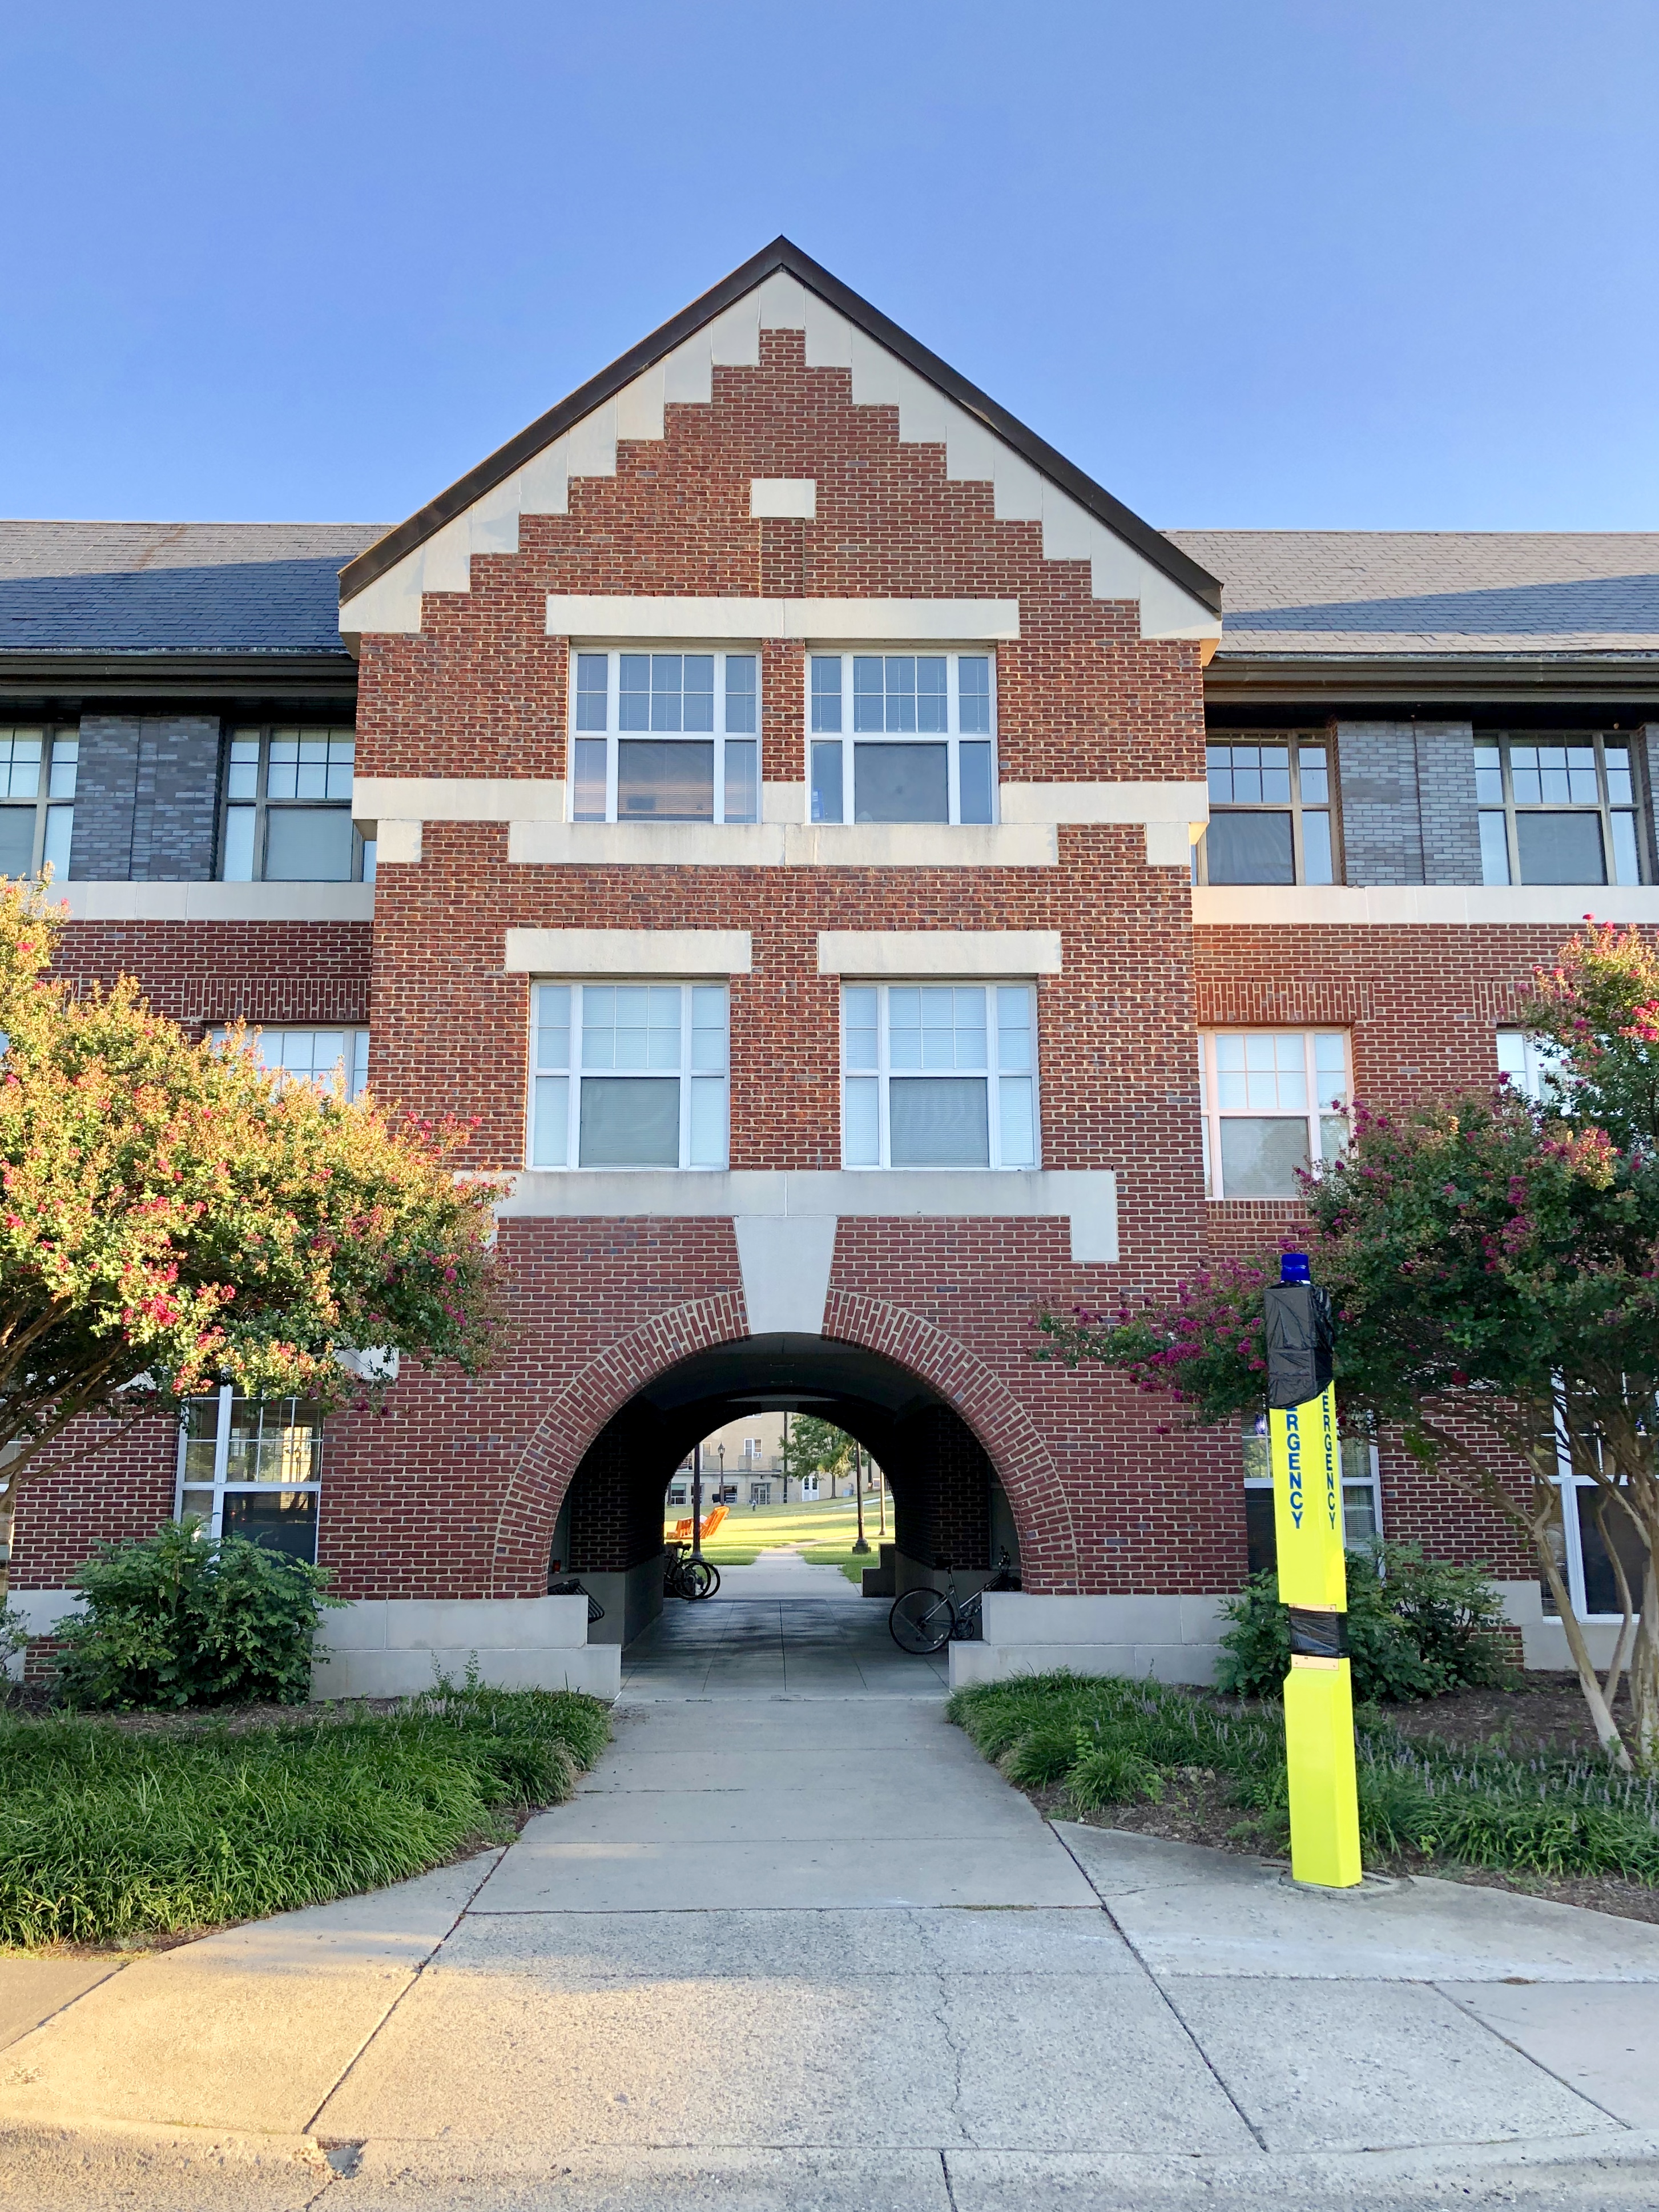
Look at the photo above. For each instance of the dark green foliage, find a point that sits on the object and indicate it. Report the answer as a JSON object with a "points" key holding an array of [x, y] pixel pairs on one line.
{"points": [[177, 1619], [1419, 1629], [106, 1832], [1548, 1814]]}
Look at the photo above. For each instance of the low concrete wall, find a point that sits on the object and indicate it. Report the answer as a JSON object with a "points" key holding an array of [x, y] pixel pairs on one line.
{"points": [[1173, 1639], [1543, 1640], [393, 1647], [42, 1610], [632, 1600]]}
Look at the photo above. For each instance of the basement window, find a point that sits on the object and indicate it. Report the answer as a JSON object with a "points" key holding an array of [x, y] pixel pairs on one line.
{"points": [[629, 1075], [665, 737], [1362, 1496], [903, 736], [252, 1467]]}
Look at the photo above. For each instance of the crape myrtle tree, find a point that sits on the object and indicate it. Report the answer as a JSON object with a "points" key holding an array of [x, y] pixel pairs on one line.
{"points": [[1495, 1265], [174, 1217], [814, 1446]]}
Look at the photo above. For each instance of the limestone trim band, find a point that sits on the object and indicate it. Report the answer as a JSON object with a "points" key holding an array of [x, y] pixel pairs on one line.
{"points": [[781, 845], [939, 952], [1086, 1197], [628, 952], [848, 621], [783, 497], [1553, 906]]}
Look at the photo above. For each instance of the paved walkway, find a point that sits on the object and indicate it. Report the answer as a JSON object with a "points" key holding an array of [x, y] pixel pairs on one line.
{"points": [[798, 1949]]}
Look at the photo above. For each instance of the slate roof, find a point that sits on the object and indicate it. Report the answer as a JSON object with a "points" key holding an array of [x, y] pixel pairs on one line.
{"points": [[175, 587], [1377, 593]]}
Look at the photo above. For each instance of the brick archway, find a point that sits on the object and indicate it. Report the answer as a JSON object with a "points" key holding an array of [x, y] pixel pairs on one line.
{"points": [[1011, 1440]]}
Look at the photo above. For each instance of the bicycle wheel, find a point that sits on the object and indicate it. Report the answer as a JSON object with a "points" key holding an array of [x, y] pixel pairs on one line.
{"points": [[699, 1579], [921, 1621]]}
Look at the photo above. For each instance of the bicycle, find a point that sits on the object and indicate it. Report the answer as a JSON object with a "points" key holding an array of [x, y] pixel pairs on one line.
{"points": [[688, 1574], [924, 1621], [572, 1588]]}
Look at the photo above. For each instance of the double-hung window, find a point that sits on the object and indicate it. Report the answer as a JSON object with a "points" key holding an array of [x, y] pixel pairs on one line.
{"points": [[288, 809], [252, 1467], [1557, 812], [37, 799], [325, 1057], [629, 1075], [666, 736], [903, 736], [1536, 1068], [1270, 814], [1273, 1102], [1362, 1496], [938, 1075]]}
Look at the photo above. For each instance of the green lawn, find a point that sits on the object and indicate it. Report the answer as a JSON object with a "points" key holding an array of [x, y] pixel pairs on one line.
{"points": [[824, 1532], [109, 1830]]}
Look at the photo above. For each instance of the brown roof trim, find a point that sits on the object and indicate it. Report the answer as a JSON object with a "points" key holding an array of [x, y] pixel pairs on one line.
{"points": [[1432, 680], [67, 679], [780, 255]]}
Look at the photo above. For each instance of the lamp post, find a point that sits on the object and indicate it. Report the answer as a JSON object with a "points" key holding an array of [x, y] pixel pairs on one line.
{"points": [[1312, 1579], [857, 1493], [697, 1501]]}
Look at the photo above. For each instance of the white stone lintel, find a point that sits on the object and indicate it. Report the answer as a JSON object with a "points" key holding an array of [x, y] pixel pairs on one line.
{"points": [[882, 952], [628, 952], [792, 498], [969, 622]]}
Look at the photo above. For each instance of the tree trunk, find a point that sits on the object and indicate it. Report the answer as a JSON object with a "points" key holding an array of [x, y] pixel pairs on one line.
{"points": [[1606, 1735], [1644, 1680]]}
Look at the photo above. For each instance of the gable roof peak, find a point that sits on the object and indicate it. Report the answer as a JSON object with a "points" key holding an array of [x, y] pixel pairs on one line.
{"points": [[782, 256]]}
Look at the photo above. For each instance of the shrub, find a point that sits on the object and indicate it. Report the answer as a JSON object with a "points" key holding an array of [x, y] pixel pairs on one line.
{"points": [[107, 1833], [1417, 1629], [179, 1619]]}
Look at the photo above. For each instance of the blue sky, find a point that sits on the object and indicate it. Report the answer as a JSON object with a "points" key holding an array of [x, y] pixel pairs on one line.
{"points": [[1375, 264]]}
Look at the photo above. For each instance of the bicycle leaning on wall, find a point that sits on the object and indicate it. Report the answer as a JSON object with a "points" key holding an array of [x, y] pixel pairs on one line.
{"points": [[923, 1621]]}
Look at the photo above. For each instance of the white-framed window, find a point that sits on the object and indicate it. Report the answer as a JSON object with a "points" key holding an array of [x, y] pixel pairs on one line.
{"points": [[1589, 1527], [629, 1075], [252, 1467], [938, 1075], [665, 737], [288, 809], [1534, 1067], [1362, 1496], [1272, 1103], [319, 1056], [809, 1486], [37, 768], [751, 1448], [901, 737], [1557, 812]]}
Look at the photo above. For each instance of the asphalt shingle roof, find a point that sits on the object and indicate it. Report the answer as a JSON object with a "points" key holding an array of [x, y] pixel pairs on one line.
{"points": [[1433, 593], [184, 587]]}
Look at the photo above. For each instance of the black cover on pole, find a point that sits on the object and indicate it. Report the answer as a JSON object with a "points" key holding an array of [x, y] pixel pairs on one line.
{"points": [[1301, 1342]]}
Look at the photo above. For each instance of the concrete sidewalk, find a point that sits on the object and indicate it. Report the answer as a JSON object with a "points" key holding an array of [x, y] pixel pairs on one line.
{"points": [[810, 1952]]}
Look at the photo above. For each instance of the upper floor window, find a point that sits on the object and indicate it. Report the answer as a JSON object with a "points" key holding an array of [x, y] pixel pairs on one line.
{"points": [[938, 1075], [36, 798], [666, 736], [1273, 1102], [319, 1056], [1270, 813], [252, 1468], [288, 809], [629, 1075], [1557, 812], [922, 727]]}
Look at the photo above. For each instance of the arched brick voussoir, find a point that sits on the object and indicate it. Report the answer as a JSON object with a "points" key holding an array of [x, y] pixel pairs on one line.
{"points": [[1012, 1439], [535, 1489]]}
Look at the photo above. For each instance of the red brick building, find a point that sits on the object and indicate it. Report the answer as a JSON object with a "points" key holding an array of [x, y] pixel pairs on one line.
{"points": [[771, 795]]}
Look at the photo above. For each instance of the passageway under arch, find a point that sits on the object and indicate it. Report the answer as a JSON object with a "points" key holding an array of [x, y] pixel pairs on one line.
{"points": [[949, 1504]]}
